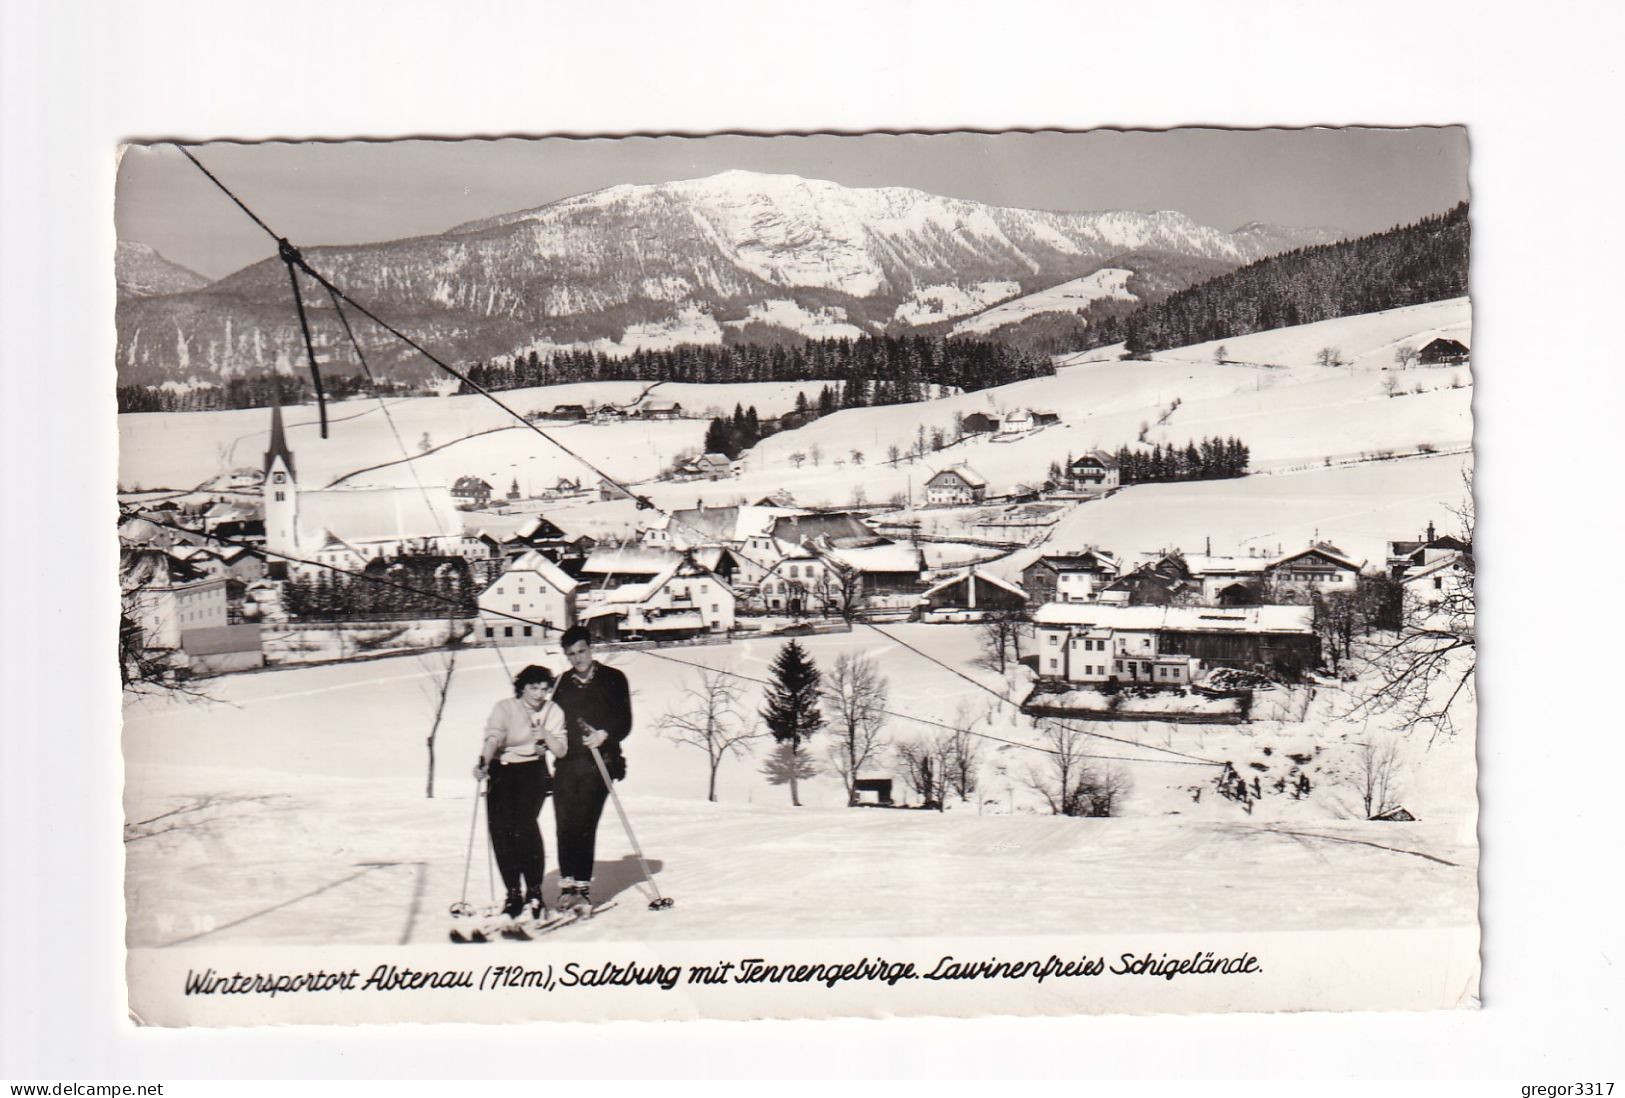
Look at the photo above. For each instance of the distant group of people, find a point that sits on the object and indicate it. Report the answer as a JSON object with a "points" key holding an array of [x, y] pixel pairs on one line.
{"points": [[582, 713]]}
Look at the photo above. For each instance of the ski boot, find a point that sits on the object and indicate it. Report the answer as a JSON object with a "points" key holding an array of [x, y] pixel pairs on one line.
{"points": [[574, 901]]}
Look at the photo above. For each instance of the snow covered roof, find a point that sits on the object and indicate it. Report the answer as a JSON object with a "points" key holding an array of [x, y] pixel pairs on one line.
{"points": [[1330, 552], [834, 524], [1199, 564], [895, 557], [533, 561], [1095, 457], [966, 573], [537, 527], [628, 561], [379, 514], [627, 594], [1090, 560], [1452, 561], [964, 472], [695, 525], [1188, 619]]}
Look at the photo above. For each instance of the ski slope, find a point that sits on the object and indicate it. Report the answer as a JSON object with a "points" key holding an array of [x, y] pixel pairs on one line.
{"points": [[291, 810]]}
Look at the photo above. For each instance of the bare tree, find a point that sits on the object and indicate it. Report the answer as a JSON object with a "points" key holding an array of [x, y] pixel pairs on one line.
{"points": [[1220, 353], [1428, 665], [1405, 356], [999, 635], [1068, 784], [144, 667], [841, 589], [962, 757], [797, 459], [1334, 620], [439, 688], [707, 716], [855, 697], [1376, 776], [921, 760], [1329, 356]]}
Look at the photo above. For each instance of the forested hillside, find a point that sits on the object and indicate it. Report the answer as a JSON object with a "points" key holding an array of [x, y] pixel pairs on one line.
{"points": [[1410, 265], [884, 369]]}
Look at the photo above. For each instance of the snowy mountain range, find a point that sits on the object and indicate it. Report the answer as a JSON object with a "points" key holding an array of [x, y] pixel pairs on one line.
{"points": [[740, 256]]}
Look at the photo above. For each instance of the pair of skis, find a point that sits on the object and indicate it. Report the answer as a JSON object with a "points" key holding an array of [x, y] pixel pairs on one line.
{"points": [[467, 927], [473, 930]]}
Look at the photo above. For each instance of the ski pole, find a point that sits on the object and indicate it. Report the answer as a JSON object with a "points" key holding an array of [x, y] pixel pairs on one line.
{"points": [[659, 903], [461, 907]]}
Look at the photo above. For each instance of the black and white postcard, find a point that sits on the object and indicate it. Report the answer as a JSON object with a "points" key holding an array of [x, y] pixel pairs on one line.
{"points": [[797, 576]]}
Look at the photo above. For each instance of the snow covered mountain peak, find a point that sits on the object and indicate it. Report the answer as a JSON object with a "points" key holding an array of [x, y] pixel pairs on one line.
{"points": [[739, 250]]}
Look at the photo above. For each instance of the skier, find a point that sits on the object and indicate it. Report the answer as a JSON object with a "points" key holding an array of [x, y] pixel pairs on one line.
{"points": [[512, 759], [597, 707]]}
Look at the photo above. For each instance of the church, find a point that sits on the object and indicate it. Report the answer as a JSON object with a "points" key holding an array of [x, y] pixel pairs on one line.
{"points": [[348, 527]]}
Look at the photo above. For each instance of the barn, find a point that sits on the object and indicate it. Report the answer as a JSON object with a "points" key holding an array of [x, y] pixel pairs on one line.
{"points": [[1443, 352], [971, 589]]}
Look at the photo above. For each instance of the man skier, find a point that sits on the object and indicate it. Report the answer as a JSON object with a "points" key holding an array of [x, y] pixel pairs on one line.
{"points": [[597, 708]]}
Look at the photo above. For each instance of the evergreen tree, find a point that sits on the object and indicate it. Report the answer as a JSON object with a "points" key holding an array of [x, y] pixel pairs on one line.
{"points": [[719, 440], [791, 713]]}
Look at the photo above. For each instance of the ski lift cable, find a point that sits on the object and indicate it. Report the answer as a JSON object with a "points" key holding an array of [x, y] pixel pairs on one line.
{"points": [[642, 501]]}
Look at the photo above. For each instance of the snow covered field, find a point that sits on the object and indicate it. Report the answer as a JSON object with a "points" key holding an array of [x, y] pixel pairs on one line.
{"points": [[1293, 415], [292, 810], [1068, 297], [178, 450], [1358, 507]]}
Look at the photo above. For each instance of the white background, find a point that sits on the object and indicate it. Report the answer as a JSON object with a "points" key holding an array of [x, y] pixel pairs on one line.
{"points": [[1537, 85]]}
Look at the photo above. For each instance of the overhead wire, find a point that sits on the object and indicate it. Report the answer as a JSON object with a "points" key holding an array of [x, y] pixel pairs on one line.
{"points": [[437, 596], [642, 501]]}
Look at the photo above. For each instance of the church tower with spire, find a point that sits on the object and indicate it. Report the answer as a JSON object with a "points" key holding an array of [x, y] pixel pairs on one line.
{"points": [[281, 499]]}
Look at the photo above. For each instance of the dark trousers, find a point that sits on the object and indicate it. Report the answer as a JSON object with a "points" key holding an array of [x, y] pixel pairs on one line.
{"points": [[513, 802], [578, 800]]}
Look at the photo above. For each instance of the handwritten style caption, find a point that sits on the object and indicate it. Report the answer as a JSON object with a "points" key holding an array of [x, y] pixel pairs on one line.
{"points": [[742, 971]]}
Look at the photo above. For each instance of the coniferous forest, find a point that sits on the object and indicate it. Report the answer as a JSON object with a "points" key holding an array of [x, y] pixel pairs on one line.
{"points": [[871, 370], [1410, 265], [1210, 459], [884, 369]]}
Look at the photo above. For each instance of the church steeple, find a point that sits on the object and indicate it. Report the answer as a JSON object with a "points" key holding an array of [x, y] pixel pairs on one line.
{"points": [[279, 442], [280, 495]]}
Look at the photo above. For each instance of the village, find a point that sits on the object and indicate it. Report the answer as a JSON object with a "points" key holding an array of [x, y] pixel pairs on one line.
{"points": [[264, 572]]}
